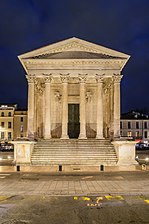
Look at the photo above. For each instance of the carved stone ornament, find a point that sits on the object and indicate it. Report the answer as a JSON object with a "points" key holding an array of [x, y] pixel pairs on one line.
{"points": [[99, 78], [82, 78], [117, 78], [47, 78], [40, 85], [89, 96], [57, 96], [64, 78], [30, 78], [107, 84]]}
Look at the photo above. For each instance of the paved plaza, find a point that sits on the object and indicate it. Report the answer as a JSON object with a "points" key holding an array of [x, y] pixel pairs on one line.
{"points": [[59, 184], [73, 198]]}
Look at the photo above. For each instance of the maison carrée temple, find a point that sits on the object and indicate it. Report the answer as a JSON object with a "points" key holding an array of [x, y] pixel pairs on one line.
{"points": [[74, 108]]}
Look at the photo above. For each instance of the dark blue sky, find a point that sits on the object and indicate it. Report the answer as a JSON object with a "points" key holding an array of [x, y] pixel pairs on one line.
{"points": [[122, 25]]}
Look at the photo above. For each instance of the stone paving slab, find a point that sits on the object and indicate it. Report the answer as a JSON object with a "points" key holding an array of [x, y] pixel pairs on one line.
{"points": [[70, 188]]}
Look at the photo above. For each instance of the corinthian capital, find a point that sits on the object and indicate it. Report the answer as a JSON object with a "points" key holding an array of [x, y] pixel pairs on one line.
{"points": [[99, 78], [117, 78], [64, 77], [47, 78], [30, 78], [82, 78]]}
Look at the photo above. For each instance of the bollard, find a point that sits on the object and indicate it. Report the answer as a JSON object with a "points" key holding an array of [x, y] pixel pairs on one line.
{"points": [[102, 168], [60, 167], [143, 166], [18, 168]]}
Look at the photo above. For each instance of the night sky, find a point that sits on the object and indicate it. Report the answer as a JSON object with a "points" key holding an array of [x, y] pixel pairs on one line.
{"points": [[122, 25]]}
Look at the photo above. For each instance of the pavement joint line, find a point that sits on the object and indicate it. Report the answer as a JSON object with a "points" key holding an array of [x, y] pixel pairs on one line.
{"points": [[6, 174]]}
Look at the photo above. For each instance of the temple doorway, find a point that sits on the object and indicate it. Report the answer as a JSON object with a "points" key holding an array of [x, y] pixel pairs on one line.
{"points": [[73, 121]]}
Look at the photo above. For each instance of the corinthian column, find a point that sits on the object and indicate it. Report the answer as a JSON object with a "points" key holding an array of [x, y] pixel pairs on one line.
{"points": [[64, 79], [117, 79], [47, 132], [82, 135], [30, 120], [99, 80]]}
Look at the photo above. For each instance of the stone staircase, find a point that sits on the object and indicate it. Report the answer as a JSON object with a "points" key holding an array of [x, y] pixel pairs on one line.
{"points": [[74, 152]]}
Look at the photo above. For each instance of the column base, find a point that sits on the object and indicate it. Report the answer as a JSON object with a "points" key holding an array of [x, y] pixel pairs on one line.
{"points": [[64, 137], [99, 137], [81, 136], [47, 137]]}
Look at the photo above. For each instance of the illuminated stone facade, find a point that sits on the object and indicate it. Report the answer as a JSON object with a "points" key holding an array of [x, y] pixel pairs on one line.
{"points": [[73, 77]]}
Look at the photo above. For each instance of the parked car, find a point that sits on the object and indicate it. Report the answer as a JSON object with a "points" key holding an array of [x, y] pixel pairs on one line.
{"points": [[142, 146], [5, 146]]}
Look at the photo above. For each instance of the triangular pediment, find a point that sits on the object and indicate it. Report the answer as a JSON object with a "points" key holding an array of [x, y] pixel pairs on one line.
{"points": [[74, 48]]}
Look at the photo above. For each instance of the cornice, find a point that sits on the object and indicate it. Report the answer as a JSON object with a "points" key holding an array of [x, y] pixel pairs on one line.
{"points": [[74, 61]]}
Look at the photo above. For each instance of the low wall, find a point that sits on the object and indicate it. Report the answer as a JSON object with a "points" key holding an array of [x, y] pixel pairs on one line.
{"points": [[125, 152], [23, 151]]}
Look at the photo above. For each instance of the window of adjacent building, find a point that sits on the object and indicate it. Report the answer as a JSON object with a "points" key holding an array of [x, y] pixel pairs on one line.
{"points": [[129, 134], [9, 124], [21, 119], [9, 114], [2, 135], [2, 124], [2, 114], [9, 135], [21, 129], [137, 125], [145, 134], [137, 133], [121, 125], [129, 125], [145, 125]]}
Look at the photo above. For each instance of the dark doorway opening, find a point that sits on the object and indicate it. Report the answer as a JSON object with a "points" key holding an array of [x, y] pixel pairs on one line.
{"points": [[73, 121]]}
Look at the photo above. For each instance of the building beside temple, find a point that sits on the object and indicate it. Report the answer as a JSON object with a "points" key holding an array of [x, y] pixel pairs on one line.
{"points": [[13, 122], [136, 125], [73, 104]]}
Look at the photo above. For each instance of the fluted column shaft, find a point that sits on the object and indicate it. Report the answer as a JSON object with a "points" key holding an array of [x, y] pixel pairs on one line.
{"points": [[117, 79], [64, 79], [99, 134], [30, 120], [47, 132], [82, 108]]}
